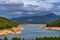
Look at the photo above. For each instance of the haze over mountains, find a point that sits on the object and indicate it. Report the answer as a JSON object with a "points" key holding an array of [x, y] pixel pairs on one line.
{"points": [[43, 19]]}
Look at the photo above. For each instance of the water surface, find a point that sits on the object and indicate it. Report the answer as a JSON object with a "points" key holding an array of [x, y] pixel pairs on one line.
{"points": [[33, 31]]}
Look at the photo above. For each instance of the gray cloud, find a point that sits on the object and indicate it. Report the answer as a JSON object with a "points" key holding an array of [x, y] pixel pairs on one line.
{"points": [[10, 1], [32, 8]]}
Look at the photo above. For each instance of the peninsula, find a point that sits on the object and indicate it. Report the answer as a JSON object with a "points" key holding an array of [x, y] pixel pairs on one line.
{"points": [[9, 27], [55, 25]]}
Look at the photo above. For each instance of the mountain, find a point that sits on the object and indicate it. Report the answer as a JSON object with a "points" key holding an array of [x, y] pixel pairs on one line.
{"points": [[44, 19], [5, 23]]}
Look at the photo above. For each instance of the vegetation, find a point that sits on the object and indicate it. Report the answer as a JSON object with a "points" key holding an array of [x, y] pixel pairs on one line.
{"points": [[5, 23], [55, 23], [15, 38], [48, 38], [5, 38], [40, 38]]}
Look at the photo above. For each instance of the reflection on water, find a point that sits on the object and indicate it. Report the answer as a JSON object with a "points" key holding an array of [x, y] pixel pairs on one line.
{"points": [[34, 31]]}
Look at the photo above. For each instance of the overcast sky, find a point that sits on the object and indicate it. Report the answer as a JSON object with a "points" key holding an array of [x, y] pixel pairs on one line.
{"points": [[45, 4], [30, 7]]}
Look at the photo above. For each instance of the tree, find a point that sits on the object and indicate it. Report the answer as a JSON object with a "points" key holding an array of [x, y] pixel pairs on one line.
{"points": [[5, 38], [15, 38]]}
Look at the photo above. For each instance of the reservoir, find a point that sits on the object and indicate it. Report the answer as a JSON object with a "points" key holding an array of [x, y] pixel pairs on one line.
{"points": [[33, 31]]}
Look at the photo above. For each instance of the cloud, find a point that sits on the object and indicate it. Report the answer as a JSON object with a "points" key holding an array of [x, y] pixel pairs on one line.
{"points": [[10, 1], [18, 13], [30, 7], [30, 13], [41, 4], [47, 5], [48, 1], [52, 1]]}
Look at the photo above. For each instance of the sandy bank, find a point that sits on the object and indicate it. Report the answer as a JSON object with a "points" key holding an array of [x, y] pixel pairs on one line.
{"points": [[30, 24], [50, 28], [14, 30]]}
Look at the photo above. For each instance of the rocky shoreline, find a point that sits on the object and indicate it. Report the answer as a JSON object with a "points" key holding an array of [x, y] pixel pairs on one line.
{"points": [[50, 28], [13, 30]]}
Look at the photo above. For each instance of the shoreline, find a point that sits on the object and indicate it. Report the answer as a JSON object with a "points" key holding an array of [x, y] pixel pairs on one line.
{"points": [[50, 28], [13, 30]]}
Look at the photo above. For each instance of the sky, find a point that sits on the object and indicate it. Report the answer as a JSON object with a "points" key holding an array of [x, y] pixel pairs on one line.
{"points": [[29, 7]]}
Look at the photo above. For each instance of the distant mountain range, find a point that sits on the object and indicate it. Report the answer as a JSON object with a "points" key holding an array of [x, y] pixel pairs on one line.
{"points": [[44, 19]]}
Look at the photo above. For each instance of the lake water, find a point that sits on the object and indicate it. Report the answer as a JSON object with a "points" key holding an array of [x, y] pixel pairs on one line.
{"points": [[30, 32]]}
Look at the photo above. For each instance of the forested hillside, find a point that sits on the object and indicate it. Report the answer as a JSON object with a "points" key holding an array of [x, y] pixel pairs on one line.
{"points": [[5, 23], [55, 23]]}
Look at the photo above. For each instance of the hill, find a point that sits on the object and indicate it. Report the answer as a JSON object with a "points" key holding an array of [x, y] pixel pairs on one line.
{"points": [[37, 19], [55, 23], [5, 23]]}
